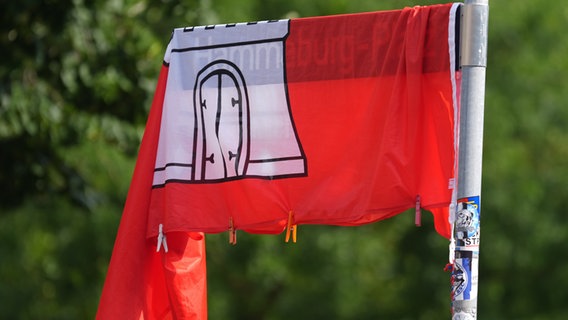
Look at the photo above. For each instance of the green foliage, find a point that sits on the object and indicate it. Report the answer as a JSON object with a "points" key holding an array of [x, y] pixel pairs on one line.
{"points": [[69, 78], [524, 164], [76, 82], [53, 257], [331, 272]]}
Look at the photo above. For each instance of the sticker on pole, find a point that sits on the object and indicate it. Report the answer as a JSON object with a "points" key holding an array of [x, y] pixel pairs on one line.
{"points": [[464, 285], [466, 230]]}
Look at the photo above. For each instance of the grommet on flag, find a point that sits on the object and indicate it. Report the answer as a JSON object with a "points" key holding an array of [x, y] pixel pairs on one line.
{"points": [[161, 239], [291, 228], [232, 232]]}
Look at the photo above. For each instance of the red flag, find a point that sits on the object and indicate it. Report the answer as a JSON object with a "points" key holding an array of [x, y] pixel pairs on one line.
{"points": [[142, 283], [338, 120], [341, 120]]}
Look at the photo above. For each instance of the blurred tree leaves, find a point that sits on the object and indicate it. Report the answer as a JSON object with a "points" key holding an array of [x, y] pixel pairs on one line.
{"points": [[76, 81], [525, 168], [68, 78], [331, 272]]}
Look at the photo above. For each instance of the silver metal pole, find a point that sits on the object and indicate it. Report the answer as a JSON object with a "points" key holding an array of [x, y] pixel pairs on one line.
{"points": [[473, 64]]}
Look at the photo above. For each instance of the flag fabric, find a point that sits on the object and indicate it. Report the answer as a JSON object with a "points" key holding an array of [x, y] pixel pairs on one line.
{"points": [[339, 120], [142, 283]]}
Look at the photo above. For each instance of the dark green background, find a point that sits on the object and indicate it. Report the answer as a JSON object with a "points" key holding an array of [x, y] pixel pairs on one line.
{"points": [[76, 81]]}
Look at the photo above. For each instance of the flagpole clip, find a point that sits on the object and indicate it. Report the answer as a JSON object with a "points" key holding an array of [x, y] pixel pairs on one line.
{"points": [[161, 239], [291, 228], [232, 232]]}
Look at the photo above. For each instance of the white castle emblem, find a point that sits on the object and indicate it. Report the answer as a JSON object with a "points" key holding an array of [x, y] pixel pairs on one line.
{"points": [[226, 111]]}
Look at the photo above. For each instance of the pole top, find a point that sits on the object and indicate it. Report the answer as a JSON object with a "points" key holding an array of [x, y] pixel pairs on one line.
{"points": [[474, 33], [477, 2]]}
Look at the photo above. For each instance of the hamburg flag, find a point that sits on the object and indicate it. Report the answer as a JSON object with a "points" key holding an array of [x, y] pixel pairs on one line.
{"points": [[340, 120]]}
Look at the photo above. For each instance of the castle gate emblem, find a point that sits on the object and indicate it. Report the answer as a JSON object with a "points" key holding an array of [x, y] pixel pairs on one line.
{"points": [[226, 110]]}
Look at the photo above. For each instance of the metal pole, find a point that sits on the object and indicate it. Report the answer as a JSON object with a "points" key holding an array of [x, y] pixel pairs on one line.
{"points": [[466, 227]]}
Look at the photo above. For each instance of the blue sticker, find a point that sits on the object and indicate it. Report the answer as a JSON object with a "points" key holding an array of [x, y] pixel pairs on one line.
{"points": [[464, 276], [467, 223], [461, 284]]}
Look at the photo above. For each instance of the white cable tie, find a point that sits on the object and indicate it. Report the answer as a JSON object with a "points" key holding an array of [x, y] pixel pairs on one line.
{"points": [[452, 256]]}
